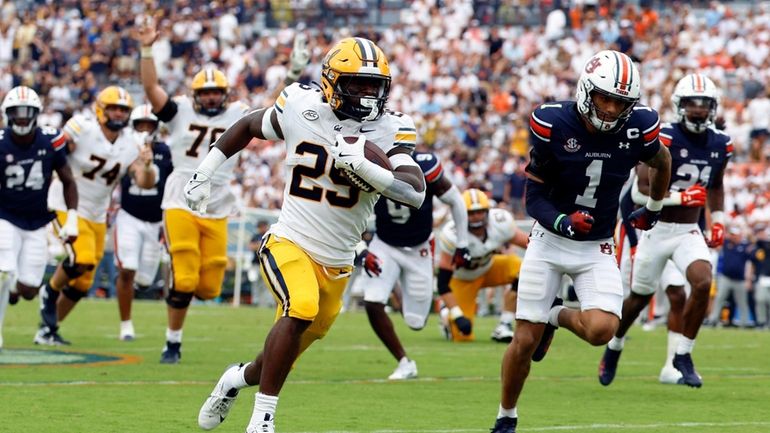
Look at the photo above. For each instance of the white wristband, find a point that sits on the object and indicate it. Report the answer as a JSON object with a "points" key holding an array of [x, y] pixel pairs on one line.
{"points": [[718, 217], [72, 215], [211, 163], [654, 205]]}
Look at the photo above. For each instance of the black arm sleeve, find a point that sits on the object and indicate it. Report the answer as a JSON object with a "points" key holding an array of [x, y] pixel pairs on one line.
{"points": [[168, 111], [442, 281], [538, 205]]}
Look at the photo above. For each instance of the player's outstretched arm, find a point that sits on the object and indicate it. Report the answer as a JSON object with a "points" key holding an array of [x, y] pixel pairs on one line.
{"points": [[69, 230], [445, 271], [448, 193], [716, 202], [143, 170], [145, 34], [693, 196], [262, 124]]}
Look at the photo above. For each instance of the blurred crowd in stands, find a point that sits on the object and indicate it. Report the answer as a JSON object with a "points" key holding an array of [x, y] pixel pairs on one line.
{"points": [[469, 72]]}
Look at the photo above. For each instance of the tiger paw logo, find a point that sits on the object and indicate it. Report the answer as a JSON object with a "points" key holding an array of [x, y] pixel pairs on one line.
{"points": [[572, 145], [593, 64]]}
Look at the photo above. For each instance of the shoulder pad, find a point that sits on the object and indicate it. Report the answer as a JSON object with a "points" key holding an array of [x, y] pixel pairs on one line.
{"points": [[448, 237], [406, 132], [429, 164]]}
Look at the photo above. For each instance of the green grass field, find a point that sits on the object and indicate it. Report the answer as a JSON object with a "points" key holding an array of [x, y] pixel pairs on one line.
{"points": [[340, 386]]}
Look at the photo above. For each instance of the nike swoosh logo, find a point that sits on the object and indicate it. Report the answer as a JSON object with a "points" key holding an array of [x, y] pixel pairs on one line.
{"points": [[193, 187], [343, 155], [363, 131]]}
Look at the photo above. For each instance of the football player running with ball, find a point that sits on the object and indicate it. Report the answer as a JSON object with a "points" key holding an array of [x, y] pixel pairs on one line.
{"points": [[307, 256], [582, 154], [699, 154]]}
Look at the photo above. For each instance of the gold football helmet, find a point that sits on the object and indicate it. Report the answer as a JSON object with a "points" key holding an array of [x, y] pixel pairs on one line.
{"points": [[113, 96], [355, 79], [477, 204], [210, 103]]}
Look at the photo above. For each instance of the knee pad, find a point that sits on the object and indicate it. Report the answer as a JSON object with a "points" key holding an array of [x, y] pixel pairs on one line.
{"points": [[75, 270], [178, 300], [73, 294]]}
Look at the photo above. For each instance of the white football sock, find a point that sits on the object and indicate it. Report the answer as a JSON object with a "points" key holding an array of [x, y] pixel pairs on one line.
{"points": [[673, 342], [509, 413], [685, 345], [173, 336], [617, 343], [553, 315], [264, 408], [126, 327], [234, 377], [507, 317]]}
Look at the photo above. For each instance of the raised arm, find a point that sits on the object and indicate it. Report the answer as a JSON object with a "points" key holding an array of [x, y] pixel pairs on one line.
{"points": [[145, 34], [69, 231]]}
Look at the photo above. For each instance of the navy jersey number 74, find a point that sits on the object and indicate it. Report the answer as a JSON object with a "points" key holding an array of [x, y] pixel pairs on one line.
{"points": [[585, 171]]}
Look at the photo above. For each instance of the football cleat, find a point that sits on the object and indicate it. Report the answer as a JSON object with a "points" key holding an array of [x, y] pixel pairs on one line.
{"points": [[265, 426], [407, 369], [505, 425], [503, 333], [684, 364], [46, 337], [608, 366], [172, 353], [127, 332], [545, 340], [670, 375], [218, 404]]}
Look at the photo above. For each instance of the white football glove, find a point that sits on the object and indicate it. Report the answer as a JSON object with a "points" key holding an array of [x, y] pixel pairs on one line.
{"points": [[197, 192], [69, 231], [300, 56], [348, 156]]}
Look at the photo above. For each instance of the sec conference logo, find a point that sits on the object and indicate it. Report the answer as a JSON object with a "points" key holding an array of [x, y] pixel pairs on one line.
{"points": [[572, 145]]}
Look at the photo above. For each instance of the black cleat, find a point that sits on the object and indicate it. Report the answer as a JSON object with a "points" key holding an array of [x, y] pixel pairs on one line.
{"points": [[505, 425], [171, 354], [545, 340], [13, 298], [608, 366], [690, 377]]}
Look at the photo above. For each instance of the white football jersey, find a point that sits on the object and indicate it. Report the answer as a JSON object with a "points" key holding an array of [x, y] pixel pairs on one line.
{"points": [[501, 228], [322, 213], [191, 134], [97, 165]]}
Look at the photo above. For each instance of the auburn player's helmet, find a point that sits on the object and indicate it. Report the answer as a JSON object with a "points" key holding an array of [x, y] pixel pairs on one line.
{"points": [[614, 75], [695, 101], [355, 79], [143, 113], [20, 109], [113, 96], [476, 202], [210, 79]]}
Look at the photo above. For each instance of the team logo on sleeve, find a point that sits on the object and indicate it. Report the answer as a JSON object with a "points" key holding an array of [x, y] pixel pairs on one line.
{"points": [[572, 145], [310, 115], [683, 153]]}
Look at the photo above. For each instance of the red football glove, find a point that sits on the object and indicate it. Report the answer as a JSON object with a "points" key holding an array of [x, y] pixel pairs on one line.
{"points": [[577, 223], [643, 218], [370, 262], [717, 235], [694, 196]]}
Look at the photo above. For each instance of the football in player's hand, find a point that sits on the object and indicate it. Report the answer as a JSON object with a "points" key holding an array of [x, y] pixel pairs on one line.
{"points": [[373, 153]]}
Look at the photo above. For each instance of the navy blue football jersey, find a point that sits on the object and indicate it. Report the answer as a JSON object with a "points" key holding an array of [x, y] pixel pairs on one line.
{"points": [[695, 158], [587, 171], [144, 204], [402, 226], [25, 175]]}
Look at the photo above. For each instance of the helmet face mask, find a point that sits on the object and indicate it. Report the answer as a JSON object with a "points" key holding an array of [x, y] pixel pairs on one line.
{"points": [[355, 79], [117, 117], [22, 119], [695, 101], [362, 97], [608, 78], [477, 204], [20, 109], [478, 218]]}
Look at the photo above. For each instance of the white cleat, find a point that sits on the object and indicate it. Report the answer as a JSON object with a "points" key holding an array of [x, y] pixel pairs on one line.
{"points": [[503, 333], [407, 369], [127, 331], [266, 426], [669, 375], [219, 403]]}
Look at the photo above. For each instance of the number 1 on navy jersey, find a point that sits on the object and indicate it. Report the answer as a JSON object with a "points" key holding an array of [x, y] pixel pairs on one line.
{"points": [[594, 174]]}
